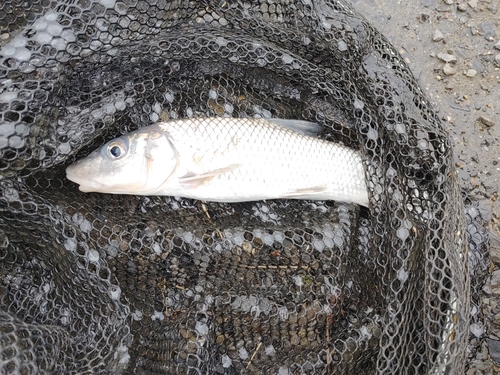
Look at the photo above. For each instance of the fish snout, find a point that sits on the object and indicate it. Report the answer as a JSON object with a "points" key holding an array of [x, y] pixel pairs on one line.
{"points": [[80, 173]]}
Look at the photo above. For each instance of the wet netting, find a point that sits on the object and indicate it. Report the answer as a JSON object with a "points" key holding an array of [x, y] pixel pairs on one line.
{"points": [[98, 283]]}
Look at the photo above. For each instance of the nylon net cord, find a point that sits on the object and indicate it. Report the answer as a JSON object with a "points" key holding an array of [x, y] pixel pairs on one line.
{"points": [[97, 283]]}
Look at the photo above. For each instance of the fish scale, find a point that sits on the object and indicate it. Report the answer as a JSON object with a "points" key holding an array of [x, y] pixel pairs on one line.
{"points": [[226, 160]]}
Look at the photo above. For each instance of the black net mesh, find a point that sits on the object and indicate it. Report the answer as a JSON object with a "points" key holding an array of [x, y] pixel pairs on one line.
{"points": [[96, 283]]}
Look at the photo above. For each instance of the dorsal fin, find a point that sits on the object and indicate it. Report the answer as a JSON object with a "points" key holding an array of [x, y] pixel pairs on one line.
{"points": [[300, 126]]}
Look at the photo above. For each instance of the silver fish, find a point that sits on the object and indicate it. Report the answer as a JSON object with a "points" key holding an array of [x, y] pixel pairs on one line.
{"points": [[225, 160]]}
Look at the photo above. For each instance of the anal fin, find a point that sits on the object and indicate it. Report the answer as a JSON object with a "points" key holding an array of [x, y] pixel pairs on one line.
{"points": [[303, 193]]}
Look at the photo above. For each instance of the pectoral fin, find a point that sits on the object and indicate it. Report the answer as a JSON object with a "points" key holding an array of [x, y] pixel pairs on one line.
{"points": [[304, 193], [193, 180]]}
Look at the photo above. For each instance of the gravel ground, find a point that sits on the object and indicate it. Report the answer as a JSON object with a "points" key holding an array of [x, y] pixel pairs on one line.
{"points": [[453, 49]]}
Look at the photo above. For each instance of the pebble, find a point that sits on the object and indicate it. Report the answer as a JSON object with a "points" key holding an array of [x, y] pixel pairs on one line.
{"points": [[485, 86], [470, 73], [497, 58], [497, 45], [494, 285], [476, 329], [478, 67], [493, 7], [449, 70], [473, 4], [444, 8], [473, 30], [494, 250], [449, 2], [487, 121], [462, 7], [437, 36], [494, 349], [463, 19], [342, 46], [488, 30], [461, 52], [446, 57]]}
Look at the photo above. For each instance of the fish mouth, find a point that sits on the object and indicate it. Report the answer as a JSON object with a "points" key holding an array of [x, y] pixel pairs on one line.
{"points": [[85, 183]]}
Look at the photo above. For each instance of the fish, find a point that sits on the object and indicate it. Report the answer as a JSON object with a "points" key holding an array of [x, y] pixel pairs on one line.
{"points": [[225, 160]]}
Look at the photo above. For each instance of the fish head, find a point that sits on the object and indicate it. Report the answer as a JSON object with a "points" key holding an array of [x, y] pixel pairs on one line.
{"points": [[135, 163]]}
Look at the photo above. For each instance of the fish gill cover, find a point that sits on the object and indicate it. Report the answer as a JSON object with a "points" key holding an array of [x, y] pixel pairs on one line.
{"points": [[93, 283]]}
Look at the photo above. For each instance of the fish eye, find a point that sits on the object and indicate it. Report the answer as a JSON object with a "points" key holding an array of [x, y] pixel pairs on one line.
{"points": [[116, 150]]}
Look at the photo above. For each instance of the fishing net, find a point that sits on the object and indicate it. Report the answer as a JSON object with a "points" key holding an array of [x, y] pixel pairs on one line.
{"points": [[97, 283]]}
